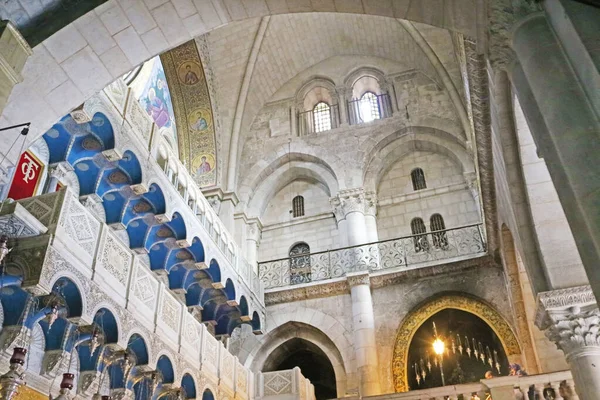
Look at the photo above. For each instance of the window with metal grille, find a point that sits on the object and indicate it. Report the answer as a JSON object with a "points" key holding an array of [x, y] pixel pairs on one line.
{"points": [[418, 179], [300, 271], [322, 117], [438, 231], [369, 107], [417, 226], [298, 206]]}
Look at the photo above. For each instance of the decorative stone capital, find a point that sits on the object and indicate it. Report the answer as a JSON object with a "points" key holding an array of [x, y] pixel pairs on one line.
{"points": [[122, 394], [88, 383], [54, 361], [352, 200], [253, 232], [570, 318], [371, 204], [60, 170], [359, 278]]}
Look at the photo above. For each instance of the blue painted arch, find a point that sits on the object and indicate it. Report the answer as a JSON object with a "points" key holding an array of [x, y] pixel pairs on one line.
{"points": [[189, 386]]}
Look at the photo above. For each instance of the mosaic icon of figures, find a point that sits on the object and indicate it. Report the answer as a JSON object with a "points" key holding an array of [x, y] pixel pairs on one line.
{"points": [[203, 164], [189, 73], [199, 120], [156, 98]]}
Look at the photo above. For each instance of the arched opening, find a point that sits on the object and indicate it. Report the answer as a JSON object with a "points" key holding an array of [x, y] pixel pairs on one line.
{"points": [[471, 348], [300, 271], [208, 395], [312, 361], [189, 386], [402, 368]]}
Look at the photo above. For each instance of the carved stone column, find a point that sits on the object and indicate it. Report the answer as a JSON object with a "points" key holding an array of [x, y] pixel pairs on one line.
{"points": [[570, 318], [363, 325], [341, 98], [351, 203], [356, 206]]}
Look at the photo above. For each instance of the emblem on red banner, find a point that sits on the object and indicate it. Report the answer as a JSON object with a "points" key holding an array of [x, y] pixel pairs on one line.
{"points": [[27, 177]]}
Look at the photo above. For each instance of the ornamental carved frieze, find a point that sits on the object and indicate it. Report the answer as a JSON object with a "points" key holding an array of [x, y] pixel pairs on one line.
{"points": [[318, 290], [570, 318], [358, 279]]}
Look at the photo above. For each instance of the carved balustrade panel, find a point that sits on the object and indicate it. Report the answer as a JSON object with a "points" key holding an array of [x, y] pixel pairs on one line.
{"points": [[406, 252]]}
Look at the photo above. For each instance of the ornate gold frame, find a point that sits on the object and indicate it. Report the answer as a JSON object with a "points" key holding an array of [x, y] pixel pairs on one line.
{"points": [[417, 317]]}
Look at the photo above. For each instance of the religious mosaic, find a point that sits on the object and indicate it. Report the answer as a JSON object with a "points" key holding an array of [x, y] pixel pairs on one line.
{"points": [[193, 112], [156, 99]]}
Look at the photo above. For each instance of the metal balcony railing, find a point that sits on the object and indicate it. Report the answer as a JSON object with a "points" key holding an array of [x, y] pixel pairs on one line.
{"points": [[406, 252], [361, 110], [313, 122]]}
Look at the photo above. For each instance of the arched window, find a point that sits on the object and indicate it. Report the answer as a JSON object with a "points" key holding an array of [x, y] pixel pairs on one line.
{"points": [[298, 206], [438, 231], [369, 107], [417, 226], [300, 264], [418, 179], [322, 117]]}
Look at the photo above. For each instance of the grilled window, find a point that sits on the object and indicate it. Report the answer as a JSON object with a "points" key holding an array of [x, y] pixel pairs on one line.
{"points": [[322, 117], [418, 179], [438, 231], [417, 226], [300, 271], [298, 206]]}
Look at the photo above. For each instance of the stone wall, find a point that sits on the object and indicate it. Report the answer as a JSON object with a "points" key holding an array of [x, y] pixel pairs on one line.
{"points": [[446, 193], [332, 316]]}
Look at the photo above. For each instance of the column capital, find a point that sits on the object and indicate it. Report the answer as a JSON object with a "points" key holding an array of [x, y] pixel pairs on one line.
{"points": [[570, 318], [254, 231], [358, 278], [352, 200]]}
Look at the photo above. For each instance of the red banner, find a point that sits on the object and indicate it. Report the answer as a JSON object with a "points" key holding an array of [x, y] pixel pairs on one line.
{"points": [[27, 177]]}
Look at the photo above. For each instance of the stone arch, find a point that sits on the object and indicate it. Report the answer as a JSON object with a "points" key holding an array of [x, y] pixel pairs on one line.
{"points": [[382, 156], [83, 293], [408, 327], [114, 314], [284, 171], [309, 86], [337, 348]]}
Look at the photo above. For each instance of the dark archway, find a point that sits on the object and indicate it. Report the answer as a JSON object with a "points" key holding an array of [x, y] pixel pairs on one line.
{"points": [[311, 360], [471, 349]]}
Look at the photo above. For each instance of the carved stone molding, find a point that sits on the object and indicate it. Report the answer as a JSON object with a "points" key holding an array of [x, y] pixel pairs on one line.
{"points": [[417, 317], [361, 278], [326, 289], [570, 318], [352, 200]]}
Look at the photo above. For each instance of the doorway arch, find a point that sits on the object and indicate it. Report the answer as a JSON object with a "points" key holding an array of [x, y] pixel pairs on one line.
{"points": [[312, 361], [422, 313]]}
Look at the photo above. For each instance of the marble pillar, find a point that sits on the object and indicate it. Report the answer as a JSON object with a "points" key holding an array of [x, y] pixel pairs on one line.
{"points": [[371, 217], [570, 319], [565, 129], [363, 325]]}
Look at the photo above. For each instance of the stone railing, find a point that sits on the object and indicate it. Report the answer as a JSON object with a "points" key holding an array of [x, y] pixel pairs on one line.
{"points": [[552, 386], [402, 253], [284, 385]]}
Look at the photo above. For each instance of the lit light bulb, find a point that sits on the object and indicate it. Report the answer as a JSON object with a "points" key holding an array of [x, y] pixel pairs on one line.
{"points": [[438, 347]]}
